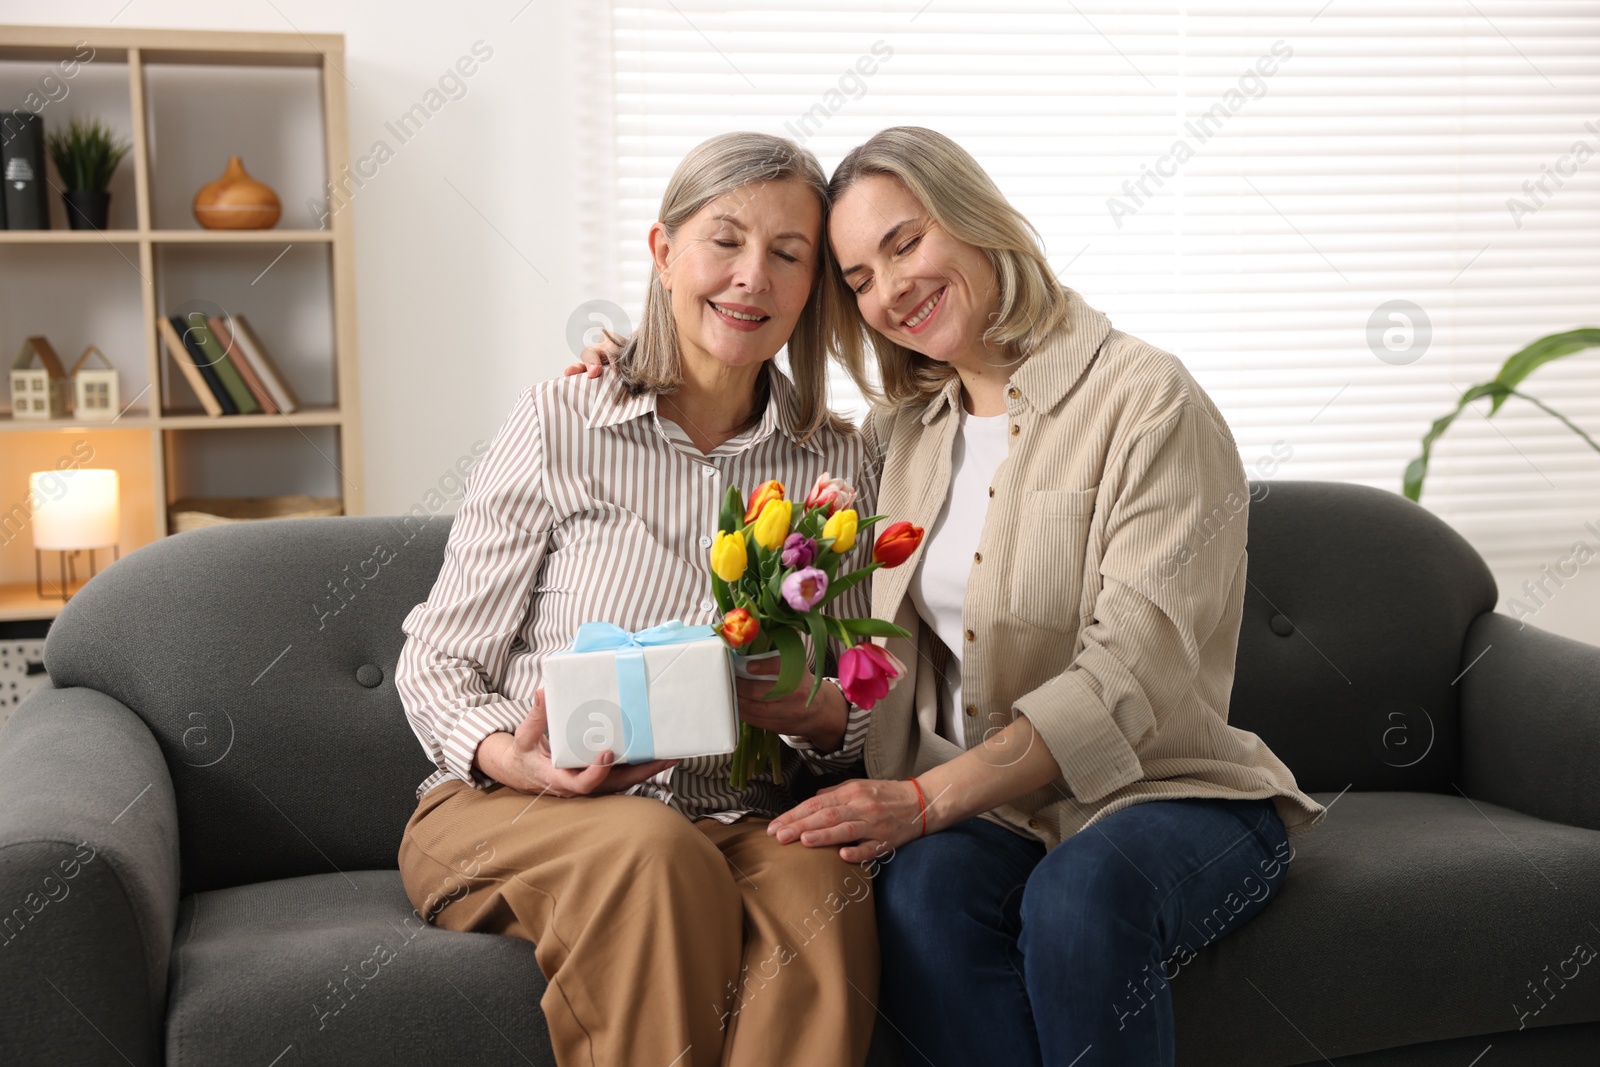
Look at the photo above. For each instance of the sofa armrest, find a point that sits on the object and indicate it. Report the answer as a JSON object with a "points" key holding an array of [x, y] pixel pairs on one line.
{"points": [[88, 882], [1530, 721]]}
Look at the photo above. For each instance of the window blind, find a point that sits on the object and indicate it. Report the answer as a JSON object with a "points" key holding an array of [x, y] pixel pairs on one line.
{"points": [[1339, 215]]}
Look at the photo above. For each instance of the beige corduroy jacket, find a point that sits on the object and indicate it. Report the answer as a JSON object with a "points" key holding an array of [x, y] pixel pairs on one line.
{"points": [[1105, 598]]}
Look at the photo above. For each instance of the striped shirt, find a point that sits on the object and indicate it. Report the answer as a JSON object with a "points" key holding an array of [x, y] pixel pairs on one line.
{"points": [[590, 506]]}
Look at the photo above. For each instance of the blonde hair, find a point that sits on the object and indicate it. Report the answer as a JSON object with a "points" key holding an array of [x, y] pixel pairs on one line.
{"points": [[963, 200], [652, 361]]}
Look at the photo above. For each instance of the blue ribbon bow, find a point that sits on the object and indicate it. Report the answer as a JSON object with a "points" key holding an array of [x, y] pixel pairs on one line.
{"points": [[633, 691]]}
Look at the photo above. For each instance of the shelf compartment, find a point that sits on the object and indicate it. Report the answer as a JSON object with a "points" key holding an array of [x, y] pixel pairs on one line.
{"points": [[127, 451], [75, 296], [284, 293], [275, 460], [198, 116], [98, 89]]}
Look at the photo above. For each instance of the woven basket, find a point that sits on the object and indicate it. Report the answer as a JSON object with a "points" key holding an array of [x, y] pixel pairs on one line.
{"points": [[196, 512]]}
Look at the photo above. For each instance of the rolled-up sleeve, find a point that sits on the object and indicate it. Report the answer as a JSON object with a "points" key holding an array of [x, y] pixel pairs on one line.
{"points": [[1173, 566], [459, 641]]}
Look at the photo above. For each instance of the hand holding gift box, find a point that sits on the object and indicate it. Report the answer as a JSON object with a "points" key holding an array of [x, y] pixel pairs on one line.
{"points": [[661, 693]]}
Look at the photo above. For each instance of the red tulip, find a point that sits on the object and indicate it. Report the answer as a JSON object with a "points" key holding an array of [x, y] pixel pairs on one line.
{"points": [[739, 627], [895, 544], [867, 672]]}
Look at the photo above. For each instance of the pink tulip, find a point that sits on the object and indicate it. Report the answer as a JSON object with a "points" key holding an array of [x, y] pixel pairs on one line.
{"points": [[867, 672], [804, 588], [831, 493], [798, 551]]}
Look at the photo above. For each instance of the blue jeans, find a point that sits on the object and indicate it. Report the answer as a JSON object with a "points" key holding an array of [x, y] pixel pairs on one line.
{"points": [[996, 952]]}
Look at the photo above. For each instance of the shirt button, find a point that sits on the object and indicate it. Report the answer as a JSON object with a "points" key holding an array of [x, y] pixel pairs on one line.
{"points": [[710, 472], [707, 604], [705, 542], [971, 636]]}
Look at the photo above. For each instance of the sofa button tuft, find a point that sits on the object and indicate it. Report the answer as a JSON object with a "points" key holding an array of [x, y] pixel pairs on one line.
{"points": [[1281, 625], [369, 675]]}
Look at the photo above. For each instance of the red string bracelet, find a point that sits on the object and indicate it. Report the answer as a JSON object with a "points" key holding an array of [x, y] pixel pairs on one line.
{"points": [[923, 806]]}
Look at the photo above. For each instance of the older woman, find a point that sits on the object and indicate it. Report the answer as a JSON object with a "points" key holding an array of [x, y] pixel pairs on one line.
{"points": [[1072, 814], [670, 926]]}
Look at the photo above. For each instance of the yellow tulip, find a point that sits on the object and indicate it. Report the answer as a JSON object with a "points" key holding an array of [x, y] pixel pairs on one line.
{"points": [[766, 491], [772, 525], [841, 526], [728, 557]]}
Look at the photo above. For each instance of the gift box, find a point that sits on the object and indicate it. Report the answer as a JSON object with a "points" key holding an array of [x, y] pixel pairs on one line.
{"points": [[662, 693]]}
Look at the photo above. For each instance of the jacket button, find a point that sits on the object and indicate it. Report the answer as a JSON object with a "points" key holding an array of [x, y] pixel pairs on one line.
{"points": [[972, 709], [1033, 824], [991, 490], [1015, 429], [971, 636], [368, 675], [977, 557], [1013, 392]]}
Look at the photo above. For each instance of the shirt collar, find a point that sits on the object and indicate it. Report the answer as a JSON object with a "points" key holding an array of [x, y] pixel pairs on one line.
{"points": [[616, 406], [1046, 377]]}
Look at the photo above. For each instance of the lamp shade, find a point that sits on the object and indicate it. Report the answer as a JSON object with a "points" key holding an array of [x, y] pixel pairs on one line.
{"points": [[75, 509]]}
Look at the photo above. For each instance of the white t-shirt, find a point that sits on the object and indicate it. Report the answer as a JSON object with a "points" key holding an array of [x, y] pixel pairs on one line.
{"points": [[939, 586]]}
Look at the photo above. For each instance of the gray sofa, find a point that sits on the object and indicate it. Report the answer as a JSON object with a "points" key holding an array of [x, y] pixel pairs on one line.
{"points": [[199, 821]]}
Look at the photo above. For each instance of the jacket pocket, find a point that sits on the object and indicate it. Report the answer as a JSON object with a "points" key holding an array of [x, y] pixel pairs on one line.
{"points": [[1047, 572]]}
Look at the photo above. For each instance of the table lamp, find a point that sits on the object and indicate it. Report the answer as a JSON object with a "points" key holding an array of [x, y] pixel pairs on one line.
{"points": [[73, 510]]}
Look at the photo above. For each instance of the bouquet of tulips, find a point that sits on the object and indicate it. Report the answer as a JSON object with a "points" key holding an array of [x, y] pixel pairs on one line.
{"points": [[774, 570]]}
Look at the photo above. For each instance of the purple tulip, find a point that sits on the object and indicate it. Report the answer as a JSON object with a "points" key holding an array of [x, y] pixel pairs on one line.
{"points": [[798, 551], [804, 588]]}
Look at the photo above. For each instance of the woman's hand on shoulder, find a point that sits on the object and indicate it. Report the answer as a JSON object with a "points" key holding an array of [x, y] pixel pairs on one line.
{"points": [[594, 359], [522, 761]]}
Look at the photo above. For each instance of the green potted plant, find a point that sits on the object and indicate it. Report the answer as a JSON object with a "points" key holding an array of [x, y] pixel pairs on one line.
{"points": [[1502, 385], [86, 155]]}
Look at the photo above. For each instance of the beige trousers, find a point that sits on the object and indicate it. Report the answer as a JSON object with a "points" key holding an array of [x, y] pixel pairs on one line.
{"points": [[663, 941]]}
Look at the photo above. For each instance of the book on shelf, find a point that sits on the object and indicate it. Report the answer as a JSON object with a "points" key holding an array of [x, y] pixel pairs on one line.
{"points": [[211, 351], [198, 336], [224, 336], [248, 344], [199, 375]]}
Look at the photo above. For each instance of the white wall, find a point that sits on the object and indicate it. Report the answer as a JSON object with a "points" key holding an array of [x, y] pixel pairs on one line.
{"points": [[453, 320]]}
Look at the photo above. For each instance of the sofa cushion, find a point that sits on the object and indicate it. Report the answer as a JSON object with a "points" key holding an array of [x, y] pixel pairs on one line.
{"points": [[1404, 918], [339, 969], [1355, 617]]}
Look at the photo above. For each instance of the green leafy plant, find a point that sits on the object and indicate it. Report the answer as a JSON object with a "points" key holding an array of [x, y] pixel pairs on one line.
{"points": [[86, 154], [1502, 385]]}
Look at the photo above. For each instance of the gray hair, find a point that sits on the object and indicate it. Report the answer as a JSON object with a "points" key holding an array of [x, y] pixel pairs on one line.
{"points": [[653, 360]]}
